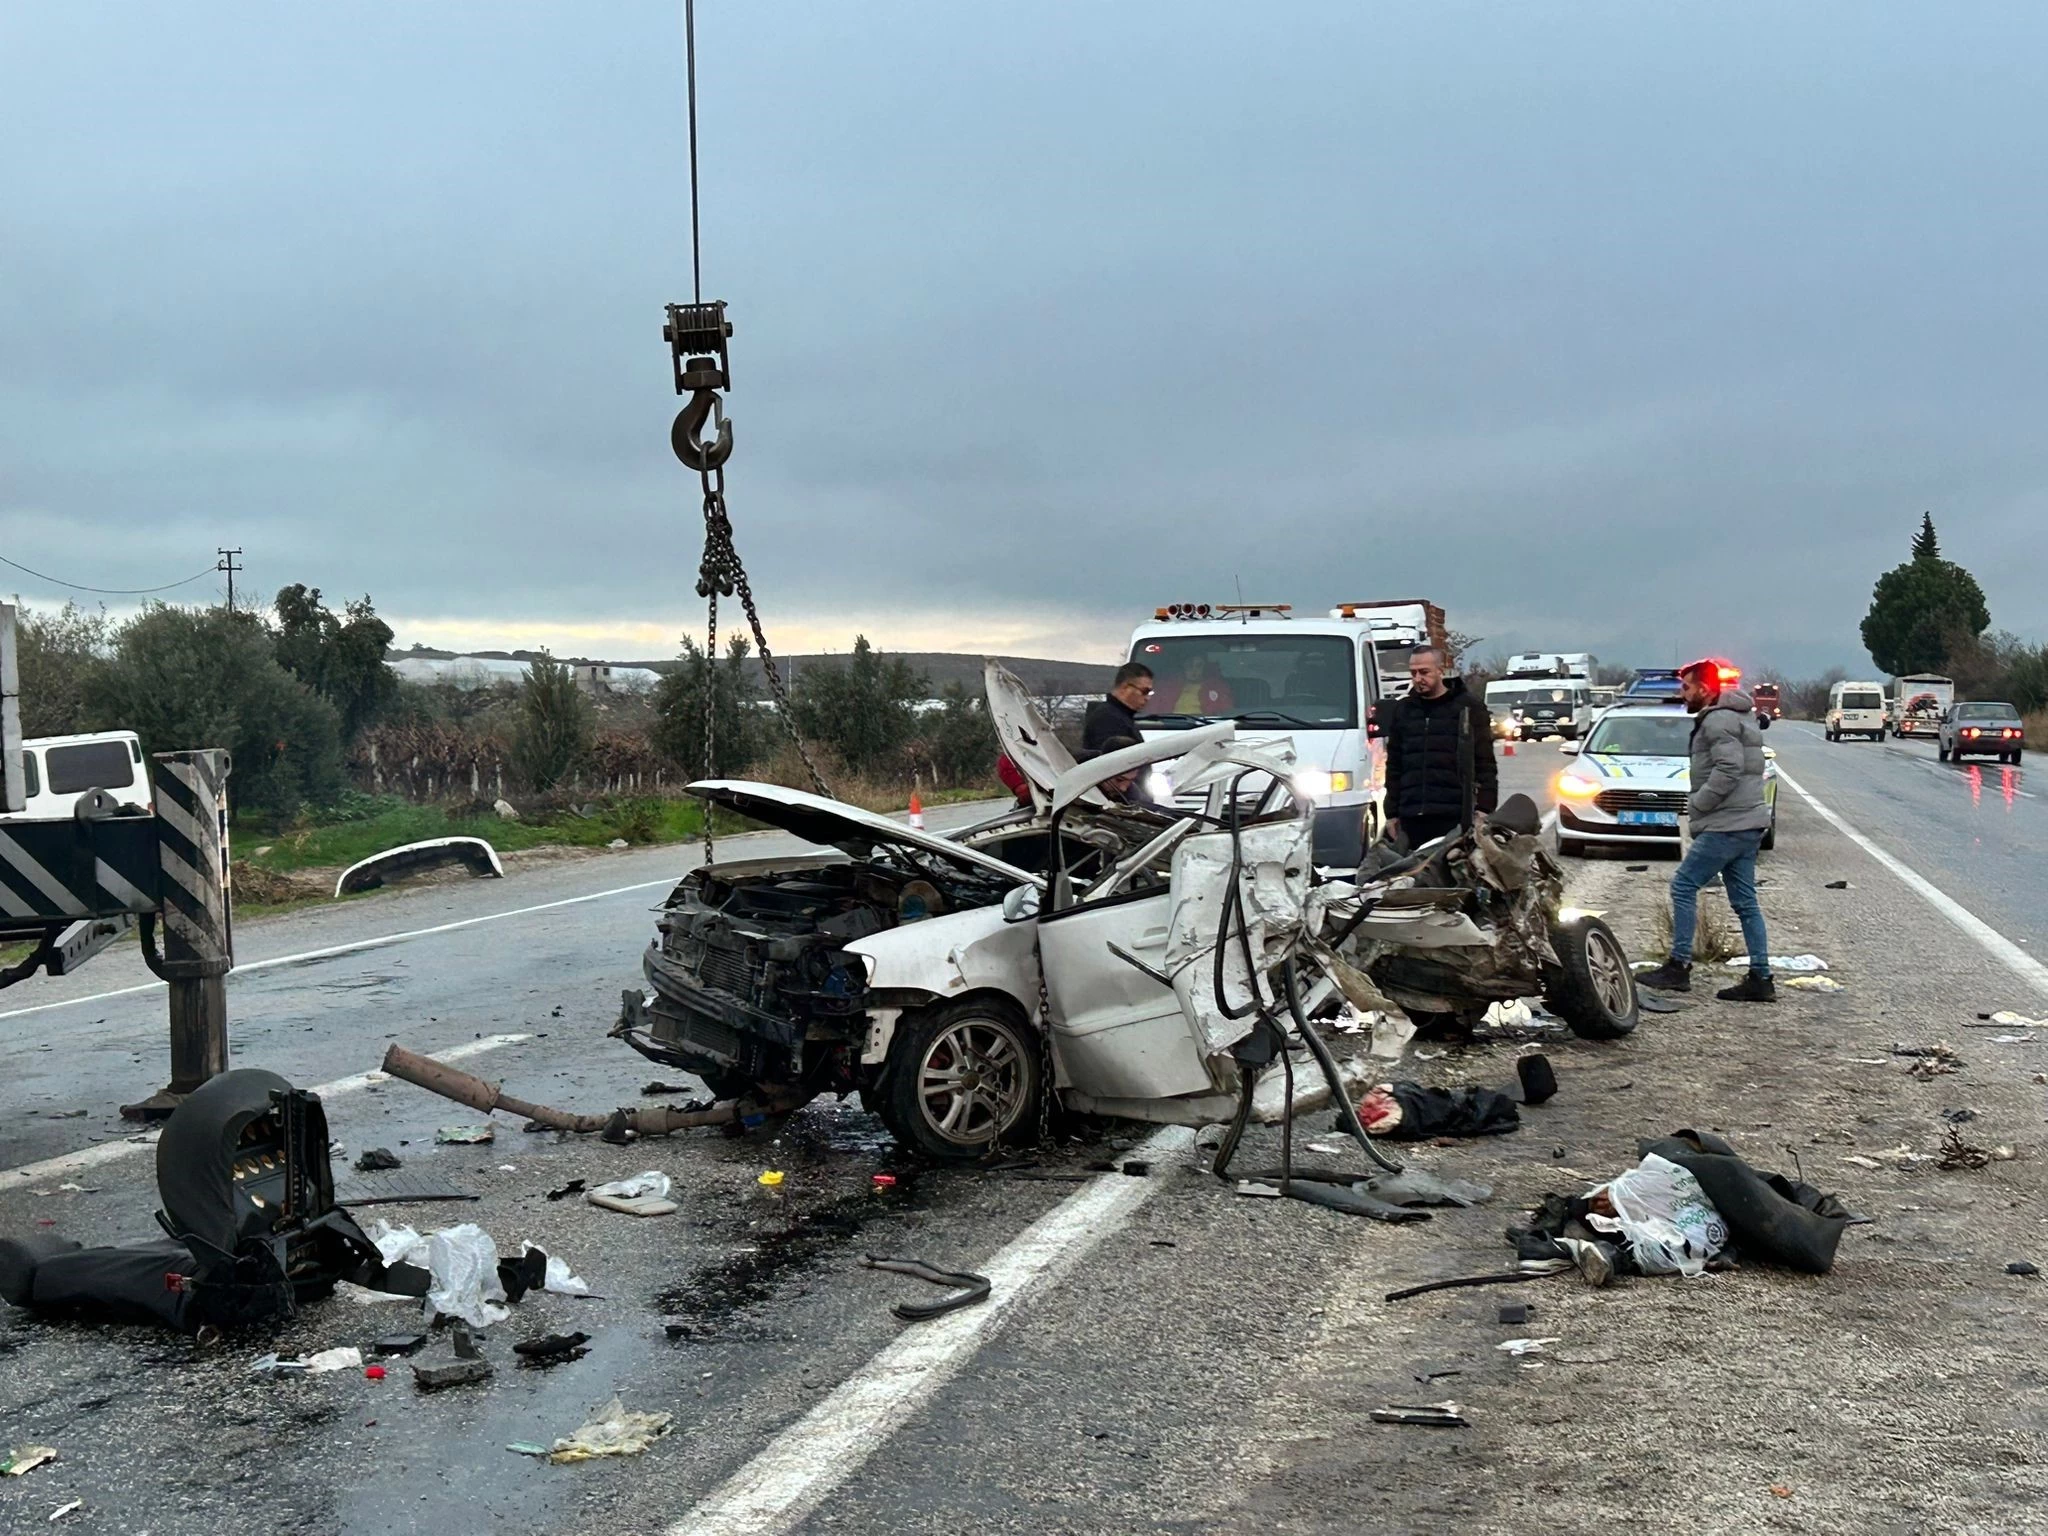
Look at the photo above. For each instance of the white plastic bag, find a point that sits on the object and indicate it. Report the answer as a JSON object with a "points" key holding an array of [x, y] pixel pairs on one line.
{"points": [[559, 1279], [464, 1264], [1665, 1217]]}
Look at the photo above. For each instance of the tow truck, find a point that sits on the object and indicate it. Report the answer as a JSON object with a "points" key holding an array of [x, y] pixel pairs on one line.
{"points": [[1313, 681]]}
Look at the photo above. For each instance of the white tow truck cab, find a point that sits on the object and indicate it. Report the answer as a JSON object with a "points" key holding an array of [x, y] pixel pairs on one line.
{"points": [[1309, 680]]}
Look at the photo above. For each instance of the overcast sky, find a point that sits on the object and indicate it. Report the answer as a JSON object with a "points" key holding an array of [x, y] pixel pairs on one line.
{"points": [[1649, 330]]}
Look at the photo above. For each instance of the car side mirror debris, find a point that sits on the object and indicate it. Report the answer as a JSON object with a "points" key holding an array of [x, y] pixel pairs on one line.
{"points": [[1020, 903]]}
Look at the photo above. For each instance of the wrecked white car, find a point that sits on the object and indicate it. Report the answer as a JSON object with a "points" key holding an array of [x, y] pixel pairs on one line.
{"points": [[1167, 950]]}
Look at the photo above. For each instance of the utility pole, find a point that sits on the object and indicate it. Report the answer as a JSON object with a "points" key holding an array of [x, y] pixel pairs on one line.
{"points": [[227, 564]]}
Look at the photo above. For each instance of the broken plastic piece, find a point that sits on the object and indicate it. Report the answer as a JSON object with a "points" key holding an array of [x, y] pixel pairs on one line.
{"points": [[770, 1179], [2022, 1267], [464, 1135], [1520, 1347], [1514, 1313], [644, 1194], [64, 1509], [1836, 885], [26, 1458], [573, 1187], [551, 1349], [347, 1358], [526, 1448], [274, 1364], [400, 1344]]}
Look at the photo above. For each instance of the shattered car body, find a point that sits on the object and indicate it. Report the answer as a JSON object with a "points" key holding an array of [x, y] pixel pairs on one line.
{"points": [[1122, 952]]}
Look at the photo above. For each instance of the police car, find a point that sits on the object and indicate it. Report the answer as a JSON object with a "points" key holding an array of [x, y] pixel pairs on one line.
{"points": [[1629, 785]]}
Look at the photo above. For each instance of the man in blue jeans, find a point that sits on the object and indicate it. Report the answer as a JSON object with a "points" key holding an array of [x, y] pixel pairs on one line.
{"points": [[1729, 816]]}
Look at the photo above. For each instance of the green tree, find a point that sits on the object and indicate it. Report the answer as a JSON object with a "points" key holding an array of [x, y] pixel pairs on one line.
{"points": [[340, 656], [960, 737], [185, 678], [1924, 610], [59, 654], [554, 724], [678, 730], [861, 708]]}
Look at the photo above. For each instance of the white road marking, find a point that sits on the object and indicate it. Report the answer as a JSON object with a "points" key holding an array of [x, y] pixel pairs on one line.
{"points": [[829, 1444], [2009, 954], [113, 1151], [360, 944]]}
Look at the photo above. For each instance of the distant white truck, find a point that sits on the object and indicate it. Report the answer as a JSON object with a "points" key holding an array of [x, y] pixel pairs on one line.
{"points": [[1313, 681], [1855, 709], [1397, 626], [1917, 702]]}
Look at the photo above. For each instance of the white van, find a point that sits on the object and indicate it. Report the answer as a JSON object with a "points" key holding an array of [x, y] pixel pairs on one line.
{"points": [[1311, 681], [56, 770], [1856, 709]]}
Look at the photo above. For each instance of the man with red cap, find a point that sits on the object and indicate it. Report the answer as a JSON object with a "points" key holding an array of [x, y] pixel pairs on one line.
{"points": [[1729, 814]]}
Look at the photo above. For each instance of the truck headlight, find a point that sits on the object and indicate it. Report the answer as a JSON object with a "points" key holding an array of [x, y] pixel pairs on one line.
{"points": [[1317, 783], [1159, 785]]}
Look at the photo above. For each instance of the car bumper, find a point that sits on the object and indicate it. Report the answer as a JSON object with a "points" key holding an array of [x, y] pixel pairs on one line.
{"points": [[1593, 825]]}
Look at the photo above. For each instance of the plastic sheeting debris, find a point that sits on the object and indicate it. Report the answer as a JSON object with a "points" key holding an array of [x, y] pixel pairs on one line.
{"points": [[26, 1458], [1670, 1225], [1813, 983], [346, 1358], [463, 1262], [1796, 964], [644, 1194], [614, 1431]]}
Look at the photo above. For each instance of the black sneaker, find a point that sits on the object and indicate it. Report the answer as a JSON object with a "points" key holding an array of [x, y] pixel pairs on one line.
{"points": [[1671, 976], [1756, 987]]}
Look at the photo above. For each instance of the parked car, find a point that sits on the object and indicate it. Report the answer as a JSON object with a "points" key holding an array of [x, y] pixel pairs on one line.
{"points": [[1855, 709], [1629, 785], [1983, 730]]}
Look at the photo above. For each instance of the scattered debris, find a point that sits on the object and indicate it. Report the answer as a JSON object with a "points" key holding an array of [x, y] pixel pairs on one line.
{"points": [[1257, 1190], [573, 1187], [485, 1098], [467, 1367], [1410, 1111], [770, 1179], [1638, 869], [656, 1088], [644, 1194], [1513, 1314], [1957, 1153], [346, 1358], [1520, 1347], [551, 1349], [404, 1187], [399, 1344], [617, 843], [1428, 1415], [526, 1448], [373, 1372], [1814, 984], [377, 1160], [65, 1114], [1836, 885], [1779, 1490], [2022, 1267], [1796, 964], [1651, 1002], [1538, 1080], [64, 1509], [26, 1458], [465, 1135], [614, 1432], [2013, 1020], [970, 1288], [274, 1364], [1865, 1162]]}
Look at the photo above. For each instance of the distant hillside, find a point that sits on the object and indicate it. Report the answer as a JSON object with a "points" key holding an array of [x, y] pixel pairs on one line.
{"points": [[942, 667]]}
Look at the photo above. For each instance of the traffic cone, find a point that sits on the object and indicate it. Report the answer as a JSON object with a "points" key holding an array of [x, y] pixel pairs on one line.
{"points": [[1507, 749], [916, 810]]}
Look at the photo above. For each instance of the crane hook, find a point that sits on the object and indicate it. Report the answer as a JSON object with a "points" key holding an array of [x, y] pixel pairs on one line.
{"points": [[686, 436]]}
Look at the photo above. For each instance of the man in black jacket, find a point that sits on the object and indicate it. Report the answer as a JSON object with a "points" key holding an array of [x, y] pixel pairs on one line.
{"points": [[1439, 742], [1117, 713]]}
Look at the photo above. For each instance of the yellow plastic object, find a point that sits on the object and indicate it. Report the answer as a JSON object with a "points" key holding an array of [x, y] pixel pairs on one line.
{"points": [[771, 1179]]}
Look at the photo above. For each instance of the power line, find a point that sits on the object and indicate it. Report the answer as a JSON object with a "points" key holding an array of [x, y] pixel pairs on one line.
{"points": [[111, 591]]}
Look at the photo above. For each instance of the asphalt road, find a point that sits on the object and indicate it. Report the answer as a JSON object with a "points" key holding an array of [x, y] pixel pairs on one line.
{"points": [[1159, 1355]]}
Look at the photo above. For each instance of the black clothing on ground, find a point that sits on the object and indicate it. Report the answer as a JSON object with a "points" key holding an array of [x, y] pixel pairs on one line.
{"points": [[1770, 1218], [1432, 746], [1108, 718]]}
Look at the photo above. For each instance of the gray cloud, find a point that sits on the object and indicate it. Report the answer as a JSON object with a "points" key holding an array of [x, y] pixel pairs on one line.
{"points": [[1648, 331]]}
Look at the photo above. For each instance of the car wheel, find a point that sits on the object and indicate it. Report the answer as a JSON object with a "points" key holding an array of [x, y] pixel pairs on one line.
{"points": [[961, 1078], [2016, 752], [1941, 752], [1571, 847], [1830, 735], [1591, 988]]}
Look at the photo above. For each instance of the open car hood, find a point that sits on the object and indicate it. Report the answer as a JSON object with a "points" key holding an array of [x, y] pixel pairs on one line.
{"points": [[835, 825], [1027, 740]]}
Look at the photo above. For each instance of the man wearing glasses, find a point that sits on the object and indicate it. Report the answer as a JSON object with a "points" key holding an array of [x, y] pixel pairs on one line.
{"points": [[1116, 714]]}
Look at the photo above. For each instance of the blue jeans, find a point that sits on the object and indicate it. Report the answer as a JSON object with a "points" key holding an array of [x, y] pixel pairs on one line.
{"points": [[1732, 856]]}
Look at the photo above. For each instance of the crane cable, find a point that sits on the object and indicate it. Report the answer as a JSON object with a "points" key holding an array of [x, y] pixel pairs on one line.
{"points": [[721, 570]]}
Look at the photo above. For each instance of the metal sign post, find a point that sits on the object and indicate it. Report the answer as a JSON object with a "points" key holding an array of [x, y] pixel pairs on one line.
{"points": [[198, 920], [13, 786]]}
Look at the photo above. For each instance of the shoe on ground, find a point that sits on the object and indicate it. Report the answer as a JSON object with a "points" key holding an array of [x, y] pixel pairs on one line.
{"points": [[1753, 988], [1671, 976]]}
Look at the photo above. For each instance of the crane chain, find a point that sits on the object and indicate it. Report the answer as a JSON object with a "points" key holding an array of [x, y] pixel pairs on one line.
{"points": [[721, 574]]}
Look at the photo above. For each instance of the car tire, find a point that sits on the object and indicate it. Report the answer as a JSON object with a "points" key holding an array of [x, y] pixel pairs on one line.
{"points": [[1830, 734], [923, 1100], [1591, 988], [1941, 752], [2016, 752], [1570, 847]]}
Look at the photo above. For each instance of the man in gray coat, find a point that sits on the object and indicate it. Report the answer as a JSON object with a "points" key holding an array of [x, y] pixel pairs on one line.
{"points": [[1729, 816]]}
